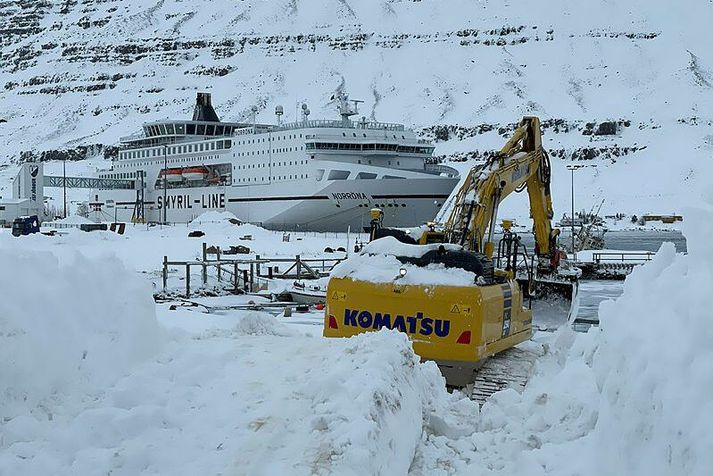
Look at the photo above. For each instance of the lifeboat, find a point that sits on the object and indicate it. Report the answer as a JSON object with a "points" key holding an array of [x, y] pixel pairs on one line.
{"points": [[172, 175], [195, 173]]}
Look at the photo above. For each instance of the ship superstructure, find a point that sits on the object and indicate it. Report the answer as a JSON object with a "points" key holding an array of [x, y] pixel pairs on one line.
{"points": [[321, 175]]}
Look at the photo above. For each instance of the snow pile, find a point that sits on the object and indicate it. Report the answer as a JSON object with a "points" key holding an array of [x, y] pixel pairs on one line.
{"points": [[653, 365], [632, 397], [66, 331], [377, 263], [389, 245], [251, 401], [215, 217]]}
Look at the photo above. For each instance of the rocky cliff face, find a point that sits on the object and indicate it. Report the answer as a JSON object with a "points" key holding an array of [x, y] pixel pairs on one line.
{"points": [[608, 78]]}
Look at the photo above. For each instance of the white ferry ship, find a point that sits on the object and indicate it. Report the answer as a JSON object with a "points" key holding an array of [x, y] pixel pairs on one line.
{"points": [[312, 175]]}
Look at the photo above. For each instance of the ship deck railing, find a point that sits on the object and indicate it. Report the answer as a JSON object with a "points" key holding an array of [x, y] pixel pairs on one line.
{"points": [[321, 124], [437, 169]]}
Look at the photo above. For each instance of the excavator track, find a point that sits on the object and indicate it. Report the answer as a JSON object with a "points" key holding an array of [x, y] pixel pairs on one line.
{"points": [[508, 369]]}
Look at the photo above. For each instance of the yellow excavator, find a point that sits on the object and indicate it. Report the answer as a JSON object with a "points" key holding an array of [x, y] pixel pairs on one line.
{"points": [[443, 286]]}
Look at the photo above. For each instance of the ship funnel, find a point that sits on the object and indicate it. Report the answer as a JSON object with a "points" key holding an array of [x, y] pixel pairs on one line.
{"points": [[204, 109]]}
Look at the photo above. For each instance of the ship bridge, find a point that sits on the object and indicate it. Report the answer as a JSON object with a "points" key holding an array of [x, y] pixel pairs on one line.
{"points": [[204, 125]]}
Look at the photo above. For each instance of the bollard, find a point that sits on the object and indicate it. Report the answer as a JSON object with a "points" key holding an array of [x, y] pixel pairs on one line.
{"points": [[188, 280], [165, 272], [204, 274]]}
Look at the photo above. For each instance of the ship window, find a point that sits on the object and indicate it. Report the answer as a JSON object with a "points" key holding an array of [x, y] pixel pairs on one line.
{"points": [[212, 146], [338, 175], [180, 128], [344, 134], [162, 129], [353, 134], [191, 129], [228, 144], [319, 175], [200, 129], [219, 130], [365, 176], [170, 129], [392, 177], [210, 130]]}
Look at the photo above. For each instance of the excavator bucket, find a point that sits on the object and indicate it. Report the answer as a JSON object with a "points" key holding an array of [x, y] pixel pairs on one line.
{"points": [[552, 298]]}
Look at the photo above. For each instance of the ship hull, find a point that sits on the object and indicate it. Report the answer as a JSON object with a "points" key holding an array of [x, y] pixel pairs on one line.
{"points": [[337, 206]]}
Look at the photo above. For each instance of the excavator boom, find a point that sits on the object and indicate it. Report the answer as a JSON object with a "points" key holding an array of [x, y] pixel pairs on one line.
{"points": [[521, 163]]}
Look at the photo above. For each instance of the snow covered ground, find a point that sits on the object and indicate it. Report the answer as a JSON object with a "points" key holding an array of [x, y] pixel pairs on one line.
{"points": [[97, 384], [96, 379], [104, 382]]}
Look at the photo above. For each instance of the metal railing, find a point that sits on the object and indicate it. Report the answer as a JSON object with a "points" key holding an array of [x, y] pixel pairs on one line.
{"points": [[88, 182], [631, 257], [247, 275]]}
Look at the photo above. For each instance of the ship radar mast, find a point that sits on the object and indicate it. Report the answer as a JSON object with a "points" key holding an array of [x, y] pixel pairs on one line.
{"points": [[345, 109]]}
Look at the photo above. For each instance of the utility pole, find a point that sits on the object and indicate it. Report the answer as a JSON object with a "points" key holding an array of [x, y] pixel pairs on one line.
{"points": [[572, 168], [64, 185], [165, 181]]}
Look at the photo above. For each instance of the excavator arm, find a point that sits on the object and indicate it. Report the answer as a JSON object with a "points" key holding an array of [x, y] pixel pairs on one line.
{"points": [[521, 163]]}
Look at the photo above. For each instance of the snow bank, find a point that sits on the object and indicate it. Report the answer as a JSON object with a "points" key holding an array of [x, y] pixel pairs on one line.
{"points": [[632, 397], [653, 364], [255, 400], [214, 217], [66, 331], [377, 263]]}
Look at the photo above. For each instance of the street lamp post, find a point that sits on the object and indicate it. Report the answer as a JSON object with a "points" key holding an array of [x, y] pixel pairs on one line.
{"points": [[64, 186], [165, 182]]}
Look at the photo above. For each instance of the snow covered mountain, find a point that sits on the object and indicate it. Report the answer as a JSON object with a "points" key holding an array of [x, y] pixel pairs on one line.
{"points": [[625, 87]]}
